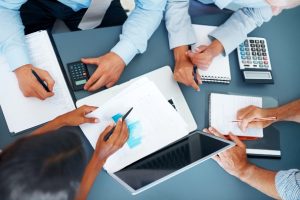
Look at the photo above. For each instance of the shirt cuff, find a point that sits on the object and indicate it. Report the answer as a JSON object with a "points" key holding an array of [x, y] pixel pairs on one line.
{"points": [[126, 50], [229, 38], [287, 184], [182, 37], [17, 57]]}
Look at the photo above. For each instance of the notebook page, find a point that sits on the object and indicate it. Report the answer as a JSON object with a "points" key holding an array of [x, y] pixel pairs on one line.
{"points": [[223, 110], [153, 123], [22, 113], [219, 67]]}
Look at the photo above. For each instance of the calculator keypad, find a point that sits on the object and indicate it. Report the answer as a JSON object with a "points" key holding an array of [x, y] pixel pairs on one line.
{"points": [[79, 74], [253, 53]]}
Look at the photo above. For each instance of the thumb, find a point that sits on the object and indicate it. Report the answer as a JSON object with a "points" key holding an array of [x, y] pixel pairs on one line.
{"points": [[235, 139], [190, 54], [92, 61]]}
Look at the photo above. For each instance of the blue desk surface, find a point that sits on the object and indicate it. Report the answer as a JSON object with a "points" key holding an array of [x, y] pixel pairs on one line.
{"points": [[207, 180]]}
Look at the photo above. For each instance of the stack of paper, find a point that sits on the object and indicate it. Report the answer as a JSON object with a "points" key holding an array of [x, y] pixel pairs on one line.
{"points": [[153, 123], [22, 113], [223, 110]]}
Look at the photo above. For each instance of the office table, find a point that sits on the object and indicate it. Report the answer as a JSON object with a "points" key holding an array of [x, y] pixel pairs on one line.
{"points": [[207, 180]]}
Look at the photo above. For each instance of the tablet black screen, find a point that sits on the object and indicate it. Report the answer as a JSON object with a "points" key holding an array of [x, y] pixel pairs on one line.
{"points": [[169, 159]]}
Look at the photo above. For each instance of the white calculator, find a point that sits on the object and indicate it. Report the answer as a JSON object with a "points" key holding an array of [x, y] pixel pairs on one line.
{"points": [[254, 60]]}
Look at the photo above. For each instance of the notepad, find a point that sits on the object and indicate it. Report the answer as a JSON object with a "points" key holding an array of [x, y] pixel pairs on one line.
{"points": [[219, 70], [23, 113], [223, 110], [153, 123]]}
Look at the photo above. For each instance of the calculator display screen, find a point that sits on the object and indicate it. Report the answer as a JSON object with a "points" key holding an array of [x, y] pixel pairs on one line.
{"points": [[80, 82], [257, 75]]}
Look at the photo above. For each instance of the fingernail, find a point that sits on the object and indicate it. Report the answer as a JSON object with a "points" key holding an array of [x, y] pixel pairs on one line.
{"points": [[198, 90], [97, 120], [120, 120], [210, 129]]}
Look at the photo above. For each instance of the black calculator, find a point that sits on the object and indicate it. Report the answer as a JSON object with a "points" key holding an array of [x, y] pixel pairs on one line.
{"points": [[254, 60], [79, 74]]}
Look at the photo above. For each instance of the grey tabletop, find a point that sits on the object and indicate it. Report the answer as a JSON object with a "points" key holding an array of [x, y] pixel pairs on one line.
{"points": [[207, 180]]}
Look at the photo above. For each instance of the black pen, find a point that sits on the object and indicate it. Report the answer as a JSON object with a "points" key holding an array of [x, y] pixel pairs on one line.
{"points": [[40, 80], [107, 136], [195, 74]]}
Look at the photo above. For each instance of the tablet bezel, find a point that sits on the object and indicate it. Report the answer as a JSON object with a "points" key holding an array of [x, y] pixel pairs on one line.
{"points": [[134, 192]]}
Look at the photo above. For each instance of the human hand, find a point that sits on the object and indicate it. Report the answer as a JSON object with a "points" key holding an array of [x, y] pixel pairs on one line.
{"points": [[184, 69], [234, 160], [104, 149], [30, 86], [248, 115], [184, 73], [203, 55], [109, 69], [78, 116]]}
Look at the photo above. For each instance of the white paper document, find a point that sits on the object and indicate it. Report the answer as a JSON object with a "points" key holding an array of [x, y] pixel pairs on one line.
{"points": [[22, 113], [153, 123], [223, 110], [219, 70]]}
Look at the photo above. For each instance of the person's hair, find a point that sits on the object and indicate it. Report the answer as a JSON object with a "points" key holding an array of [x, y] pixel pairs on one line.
{"points": [[42, 167]]}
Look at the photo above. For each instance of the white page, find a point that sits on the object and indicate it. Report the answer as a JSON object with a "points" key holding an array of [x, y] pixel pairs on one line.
{"points": [[219, 68], [223, 110], [22, 113], [153, 123]]}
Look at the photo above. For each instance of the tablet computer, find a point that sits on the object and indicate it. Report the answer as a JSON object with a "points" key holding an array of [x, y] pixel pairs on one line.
{"points": [[173, 159]]}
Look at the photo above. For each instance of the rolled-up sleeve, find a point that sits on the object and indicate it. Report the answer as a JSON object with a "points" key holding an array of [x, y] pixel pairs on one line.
{"points": [[234, 31], [138, 28], [12, 39], [178, 23], [288, 184]]}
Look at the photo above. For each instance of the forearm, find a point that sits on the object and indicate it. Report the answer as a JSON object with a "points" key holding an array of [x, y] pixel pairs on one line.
{"points": [[91, 172], [261, 179], [52, 125], [180, 53], [289, 112]]}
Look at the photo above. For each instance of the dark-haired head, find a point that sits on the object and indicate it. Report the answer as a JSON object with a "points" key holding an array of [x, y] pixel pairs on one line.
{"points": [[42, 167]]}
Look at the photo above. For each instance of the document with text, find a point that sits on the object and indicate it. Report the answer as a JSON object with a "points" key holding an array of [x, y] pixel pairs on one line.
{"points": [[22, 113]]}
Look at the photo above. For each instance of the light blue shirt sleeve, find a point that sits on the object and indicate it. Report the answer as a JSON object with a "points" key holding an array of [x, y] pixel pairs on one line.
{"points": [[138, 28], [178, 23], [12, 39], [288, 184], [234, 31]]}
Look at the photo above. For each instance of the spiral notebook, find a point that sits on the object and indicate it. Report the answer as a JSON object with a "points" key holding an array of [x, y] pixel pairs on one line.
{"points": [[219, 70], [223, 109]]}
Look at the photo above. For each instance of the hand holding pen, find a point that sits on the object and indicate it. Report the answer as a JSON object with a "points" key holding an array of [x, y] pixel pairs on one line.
{"points": [[255, 117], [109, 133]]}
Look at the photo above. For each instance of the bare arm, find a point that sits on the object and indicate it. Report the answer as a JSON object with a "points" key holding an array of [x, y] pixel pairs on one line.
{"points": [[90, 174], [261, 179], [73, 118], [103, 150], [234, 161], [287, 112]]}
